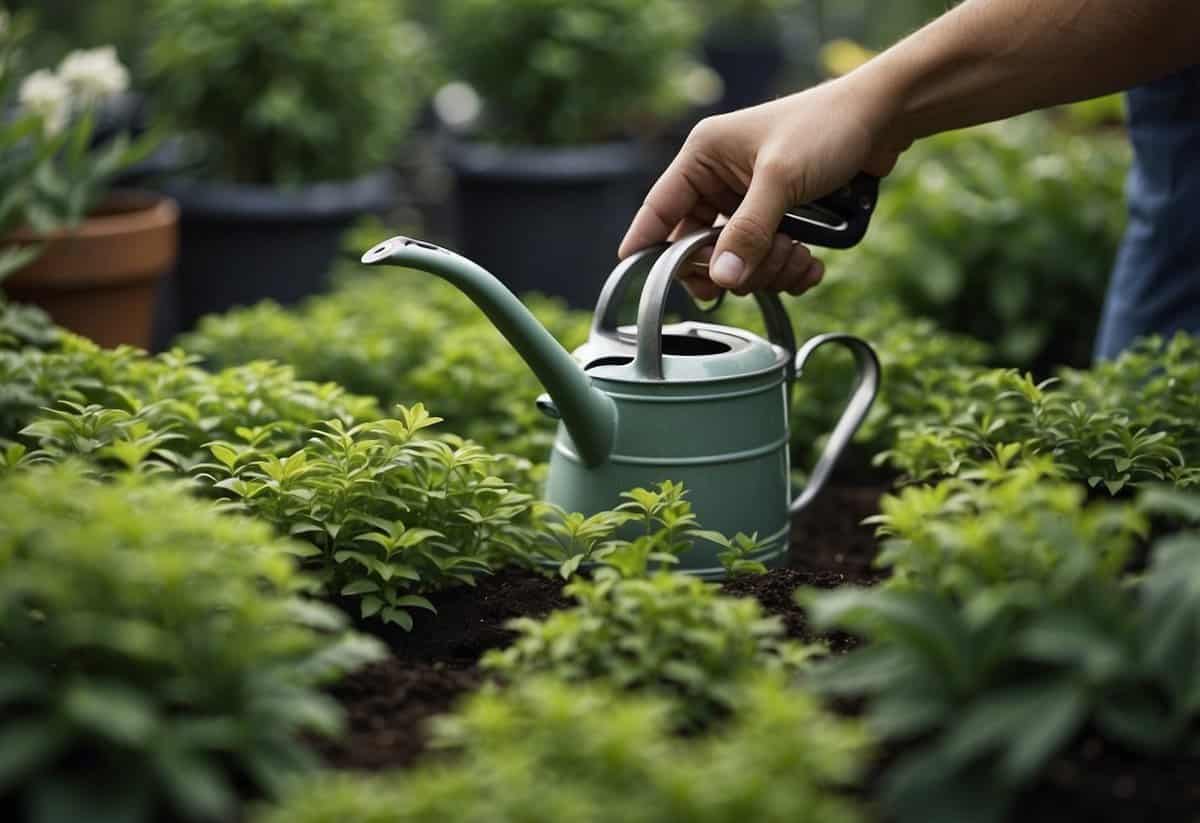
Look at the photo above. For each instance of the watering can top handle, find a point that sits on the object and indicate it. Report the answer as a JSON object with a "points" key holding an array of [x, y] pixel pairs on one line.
{"points": [[652, 306]]}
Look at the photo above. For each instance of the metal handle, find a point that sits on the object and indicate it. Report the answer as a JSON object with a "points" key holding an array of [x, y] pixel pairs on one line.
{"points": [[612, 296], [653, 304], [866, 386]]}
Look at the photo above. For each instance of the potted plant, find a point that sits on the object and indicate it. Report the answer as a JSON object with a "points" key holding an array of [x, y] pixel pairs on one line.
{"points": [[743, 44], [91, 258], [294, 109], [551, 174]]}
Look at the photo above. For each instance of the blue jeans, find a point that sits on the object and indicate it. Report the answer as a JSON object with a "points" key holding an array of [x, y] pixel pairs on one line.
{"points": [[1155, 287]]}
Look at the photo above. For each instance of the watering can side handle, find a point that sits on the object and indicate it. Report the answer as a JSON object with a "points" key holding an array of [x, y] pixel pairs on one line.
{"points": [[866, 386]]}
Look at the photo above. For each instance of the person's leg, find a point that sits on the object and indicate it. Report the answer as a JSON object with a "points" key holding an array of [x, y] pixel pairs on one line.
{"points": [[1155, 287]]}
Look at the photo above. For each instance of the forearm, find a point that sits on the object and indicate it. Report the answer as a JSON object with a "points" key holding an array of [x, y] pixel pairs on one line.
{"points": [[990, 59]]}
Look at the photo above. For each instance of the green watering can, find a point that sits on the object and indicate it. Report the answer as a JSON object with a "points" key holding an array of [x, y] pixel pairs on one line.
{"points": [[694, 402]]}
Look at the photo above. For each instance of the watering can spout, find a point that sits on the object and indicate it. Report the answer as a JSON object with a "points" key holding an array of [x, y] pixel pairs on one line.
{"points": [[589, 415]]}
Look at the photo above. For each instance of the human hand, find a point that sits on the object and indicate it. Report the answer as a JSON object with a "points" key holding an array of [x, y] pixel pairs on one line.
{"points": [[754, 165]]}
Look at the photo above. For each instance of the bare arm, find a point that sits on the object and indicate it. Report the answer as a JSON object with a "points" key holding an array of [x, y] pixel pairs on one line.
{"points": [[984, 60]]}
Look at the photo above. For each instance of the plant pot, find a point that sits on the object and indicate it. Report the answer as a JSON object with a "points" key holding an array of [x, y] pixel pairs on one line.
{"points": [[100, 278], [547, 219], [241, 244], [748, 59]]}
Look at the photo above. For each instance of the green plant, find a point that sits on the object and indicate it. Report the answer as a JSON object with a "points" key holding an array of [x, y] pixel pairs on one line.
{"points": [[94, 391], [556, 72], [547, 751], [1001, 533], [661, 632], [1004, 232], [26, 326], [159, 659], [53, 174], [1119, 424], [976, 701], [391, 517], [291, 91]]}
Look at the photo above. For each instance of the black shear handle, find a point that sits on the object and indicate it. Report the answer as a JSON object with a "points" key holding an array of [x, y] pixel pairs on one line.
{"points": [[838, 220]]}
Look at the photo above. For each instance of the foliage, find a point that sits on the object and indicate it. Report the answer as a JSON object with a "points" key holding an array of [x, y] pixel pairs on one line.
{"points": [[1000, 534], [1006, 233], [568, 71], [54, 174], [978, 700], [547, 751], [1119, 424], [159, 660], [662, 632], [389, 516], [403, 337], [22, 326], [290, 91], [168, 393]]}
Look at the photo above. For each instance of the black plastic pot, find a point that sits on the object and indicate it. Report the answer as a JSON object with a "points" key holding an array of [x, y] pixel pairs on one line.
{"points": [[748, 59], [240, 244], [547, 219]]}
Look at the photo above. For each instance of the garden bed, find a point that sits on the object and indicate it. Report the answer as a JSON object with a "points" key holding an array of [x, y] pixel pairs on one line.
{"points": [[388, 703]]}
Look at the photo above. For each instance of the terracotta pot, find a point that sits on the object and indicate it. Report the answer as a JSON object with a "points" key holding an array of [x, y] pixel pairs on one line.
{"points": [[99, 279]]}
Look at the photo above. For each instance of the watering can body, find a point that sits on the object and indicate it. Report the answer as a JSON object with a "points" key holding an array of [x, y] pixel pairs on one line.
{"points": [[693, 402]]}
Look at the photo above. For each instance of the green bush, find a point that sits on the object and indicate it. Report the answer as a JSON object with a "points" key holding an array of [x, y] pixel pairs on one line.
{"points": [[549, 752], [175, 398], [390, 517], [1120, 424], [1001, 533], [290, 91], [26, 327], [976, 701], [568, 71], [660, 632], [159, 660], [403, 337], [1006, 233]]}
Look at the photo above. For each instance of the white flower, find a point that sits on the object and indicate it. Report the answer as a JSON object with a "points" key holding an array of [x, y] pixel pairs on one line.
{"points": [[94, 75], [46, 94]]}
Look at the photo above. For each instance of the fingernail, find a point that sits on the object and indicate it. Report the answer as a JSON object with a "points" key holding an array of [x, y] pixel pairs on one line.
{"points": [[728, 270]]}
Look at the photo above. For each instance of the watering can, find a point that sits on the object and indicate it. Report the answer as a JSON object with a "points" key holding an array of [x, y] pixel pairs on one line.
{"points": [[693, 402]]}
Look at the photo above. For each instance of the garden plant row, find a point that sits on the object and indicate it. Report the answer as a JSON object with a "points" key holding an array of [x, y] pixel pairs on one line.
{"points": [[217, 562]]}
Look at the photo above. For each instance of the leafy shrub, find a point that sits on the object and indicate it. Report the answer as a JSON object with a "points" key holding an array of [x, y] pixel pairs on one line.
{"points": [[158, 659], [289, 92], [1006, 233], [568, 71], [169, 393], [24, 326], [549, 751], [1120, 424], [983, 537], [664, 633], [432, 346], [390, 517], [977, 701]]}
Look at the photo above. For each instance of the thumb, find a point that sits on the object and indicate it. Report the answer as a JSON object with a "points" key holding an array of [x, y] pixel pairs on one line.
{"points": [[746, 239]]}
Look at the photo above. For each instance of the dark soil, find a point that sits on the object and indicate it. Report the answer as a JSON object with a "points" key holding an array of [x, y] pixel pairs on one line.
{"points": [[1099, 782], [389, 703]]}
